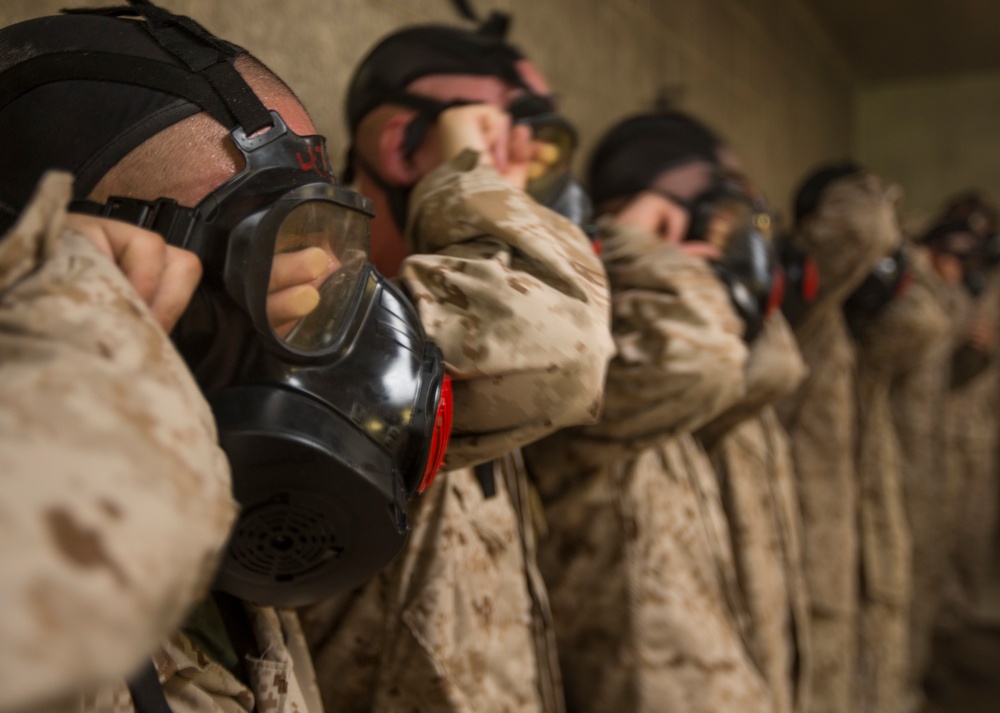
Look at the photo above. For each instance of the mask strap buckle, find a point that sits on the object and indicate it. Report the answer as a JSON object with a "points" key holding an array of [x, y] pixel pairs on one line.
{"points": [[164, 215]]}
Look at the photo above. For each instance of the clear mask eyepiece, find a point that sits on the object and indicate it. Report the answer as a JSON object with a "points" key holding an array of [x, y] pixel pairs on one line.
{"points": [[320, 253]]}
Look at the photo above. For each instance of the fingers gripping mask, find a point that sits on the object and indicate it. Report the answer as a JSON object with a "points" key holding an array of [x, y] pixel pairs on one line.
{"points": [[331, 403], [385, 74], [728, 217], [553, 144]]}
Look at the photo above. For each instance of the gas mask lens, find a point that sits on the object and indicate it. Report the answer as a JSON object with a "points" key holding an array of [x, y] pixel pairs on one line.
{"points": [[552, 147], [553, 142], [320, 252]]}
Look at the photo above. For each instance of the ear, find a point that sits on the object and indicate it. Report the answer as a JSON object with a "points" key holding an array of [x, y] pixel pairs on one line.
{"points": [[393, 163]]}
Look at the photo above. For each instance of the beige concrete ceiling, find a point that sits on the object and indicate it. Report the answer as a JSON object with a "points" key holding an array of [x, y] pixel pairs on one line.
{"points": [[886, 40]]}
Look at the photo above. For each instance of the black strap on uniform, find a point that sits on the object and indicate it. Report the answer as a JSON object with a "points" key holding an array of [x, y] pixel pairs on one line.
{"points": [[487, 479], [147, 691], [202, 53]]}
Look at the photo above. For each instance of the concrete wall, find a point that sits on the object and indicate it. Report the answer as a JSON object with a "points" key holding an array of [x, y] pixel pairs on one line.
{"points": [[934, 137], [761, 71]]}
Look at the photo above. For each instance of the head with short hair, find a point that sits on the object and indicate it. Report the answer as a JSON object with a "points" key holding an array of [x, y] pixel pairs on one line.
{"points": [[394, 99], [810, 193], [643, 151]]}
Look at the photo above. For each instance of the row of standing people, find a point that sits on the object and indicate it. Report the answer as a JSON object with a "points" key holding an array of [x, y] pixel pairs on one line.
{"points": [[724, 523]]}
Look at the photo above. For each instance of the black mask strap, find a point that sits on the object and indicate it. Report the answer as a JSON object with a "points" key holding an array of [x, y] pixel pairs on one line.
{"points": [[202, 52], [428, 111], [397, 196]]}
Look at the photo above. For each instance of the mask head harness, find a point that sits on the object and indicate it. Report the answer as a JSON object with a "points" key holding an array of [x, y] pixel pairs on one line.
{"points": [[405, 56], [332, 419], [727, 213]]}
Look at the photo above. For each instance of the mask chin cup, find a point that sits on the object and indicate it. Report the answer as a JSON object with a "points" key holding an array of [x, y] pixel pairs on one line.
{"points": [[323, 509]]}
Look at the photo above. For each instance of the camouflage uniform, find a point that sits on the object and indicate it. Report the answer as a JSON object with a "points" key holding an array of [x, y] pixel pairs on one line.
{"points": [[516, 299], [972, 442], [281, 679], [750, 451], [117, 497], [637, 556], [917, 398], [854, 226], [895, 343]]}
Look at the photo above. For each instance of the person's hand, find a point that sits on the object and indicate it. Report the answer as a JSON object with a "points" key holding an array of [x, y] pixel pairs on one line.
{"points": [[164, 276], [487, 130], [293, 290]]}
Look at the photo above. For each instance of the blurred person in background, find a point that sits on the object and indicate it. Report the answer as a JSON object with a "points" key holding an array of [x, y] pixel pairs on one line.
{"points": [[458, 140], [845, 222]]}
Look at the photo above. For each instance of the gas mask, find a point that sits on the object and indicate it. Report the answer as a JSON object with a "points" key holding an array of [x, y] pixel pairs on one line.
{"points": [[973, 251], [554, 139], [727, 216], [976, 269], [330, 422], [887, 281], [332, 414], [801, 281]]}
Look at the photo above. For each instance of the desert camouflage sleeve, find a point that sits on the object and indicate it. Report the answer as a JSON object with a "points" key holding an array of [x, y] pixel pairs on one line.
{"points": [[516, 299], [854, 226], [116, 498], [774, 369], [680, 357]]}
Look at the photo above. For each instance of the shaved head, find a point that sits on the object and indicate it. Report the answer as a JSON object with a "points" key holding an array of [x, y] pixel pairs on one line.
{"points": [[188, 160]]}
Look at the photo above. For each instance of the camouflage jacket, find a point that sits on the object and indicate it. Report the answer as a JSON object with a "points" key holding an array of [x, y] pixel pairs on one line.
{"points": [[117, 498], [905, 334], [638, 555], [280, 675], [918, 397], [518, 303], [971, 461], [517, 300], [750, 451], [853, 228]]}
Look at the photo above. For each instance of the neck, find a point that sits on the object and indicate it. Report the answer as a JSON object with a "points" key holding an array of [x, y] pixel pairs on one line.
{"points": [[388, 245]]}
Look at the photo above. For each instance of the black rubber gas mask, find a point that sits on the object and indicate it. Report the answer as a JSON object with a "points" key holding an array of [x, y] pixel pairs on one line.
{"points": [[727, 216], [331, 421], [887, 281], [332, 405], [554, 140]]}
